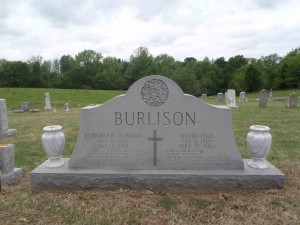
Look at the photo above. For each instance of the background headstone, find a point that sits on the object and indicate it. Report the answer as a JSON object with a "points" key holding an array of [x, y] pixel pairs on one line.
{"points": [[47, 101], [263, 98], [231, 99], [243, 97], [9, 174], [203, 97], [66, 106], [220, 97], [293, 99], [271, 95], [4, 130], [24, 106]]}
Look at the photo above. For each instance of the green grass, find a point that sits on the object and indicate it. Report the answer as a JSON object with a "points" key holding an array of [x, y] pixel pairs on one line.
{"points": [[35, 96], [19, 206]]}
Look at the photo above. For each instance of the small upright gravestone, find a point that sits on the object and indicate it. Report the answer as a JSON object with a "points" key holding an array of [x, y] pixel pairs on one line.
{"points": [[24, 106], [220, 97], [4, 130], [243, 97], [155, 137], [293, 99], [231, 100], [263, 98], [9, 174], [47, 101], [66, 106], [203, 97]]}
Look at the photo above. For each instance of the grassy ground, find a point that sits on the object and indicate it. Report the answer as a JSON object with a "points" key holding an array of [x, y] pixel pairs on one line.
{"points": [[19, 206]]}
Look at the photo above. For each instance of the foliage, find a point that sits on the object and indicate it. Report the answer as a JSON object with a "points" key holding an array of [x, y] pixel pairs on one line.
{"points": [[90, 70]]}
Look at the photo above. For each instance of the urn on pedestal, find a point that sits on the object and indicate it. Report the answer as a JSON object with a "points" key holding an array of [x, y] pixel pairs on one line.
{"points": [[259, 143], [53, 141]]}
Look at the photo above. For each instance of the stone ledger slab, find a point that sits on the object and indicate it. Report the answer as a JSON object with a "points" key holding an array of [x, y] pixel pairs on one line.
{"points": [[62, 178]]}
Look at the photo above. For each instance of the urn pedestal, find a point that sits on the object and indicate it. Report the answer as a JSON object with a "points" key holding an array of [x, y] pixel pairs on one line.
{"points": [[53, 141], [259, 143]]}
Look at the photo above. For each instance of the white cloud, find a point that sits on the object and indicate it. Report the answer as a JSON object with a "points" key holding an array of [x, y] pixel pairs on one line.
{"points": [[189, 28]]}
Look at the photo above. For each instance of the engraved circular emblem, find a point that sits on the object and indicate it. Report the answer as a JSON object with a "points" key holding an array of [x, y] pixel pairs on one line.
{"points": [[155, 92]]}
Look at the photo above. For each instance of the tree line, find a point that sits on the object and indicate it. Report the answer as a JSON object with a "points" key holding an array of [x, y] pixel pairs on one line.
{"points": [[90, 70]]}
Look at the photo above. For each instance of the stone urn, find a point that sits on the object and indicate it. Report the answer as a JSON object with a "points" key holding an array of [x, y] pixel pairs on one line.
{"points": [[53, 141], [259, 143]]}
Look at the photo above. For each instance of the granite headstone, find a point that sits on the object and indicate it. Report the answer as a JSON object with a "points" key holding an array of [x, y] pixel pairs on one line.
{"points": [[263, 98], [155, 137], [293, 99], [4, 130], [156, 126]]}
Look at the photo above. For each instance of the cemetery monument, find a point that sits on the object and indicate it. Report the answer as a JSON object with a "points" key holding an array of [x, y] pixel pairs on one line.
{"points": [[155, 137], [4, 130], [263, 98], [293, 99], [47, 101]]}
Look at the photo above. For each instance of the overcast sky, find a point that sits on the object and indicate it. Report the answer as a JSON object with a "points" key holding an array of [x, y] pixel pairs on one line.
{"points": [[179, 28]]}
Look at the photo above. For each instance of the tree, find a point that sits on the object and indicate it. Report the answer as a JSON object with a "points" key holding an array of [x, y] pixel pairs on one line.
{"points": [[233, 64], [165, 65], [140, 65], [111, 77], [252, 78], [221, 62], [90, 62]]}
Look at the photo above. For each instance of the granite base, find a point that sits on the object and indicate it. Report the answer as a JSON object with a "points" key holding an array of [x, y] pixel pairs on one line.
{"points": [[46, 179], [12, 177]]}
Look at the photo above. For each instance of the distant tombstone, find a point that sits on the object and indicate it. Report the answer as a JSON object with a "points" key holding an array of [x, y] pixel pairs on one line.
{"points": [[54, 109], [220, 97], [263, 98], [203, 97], [271, 95], [243, 97], [24, 106], [231, 100], [66, 106], [47, 101], [9, 174], [155, 137], [4, 130], [293, 99]]}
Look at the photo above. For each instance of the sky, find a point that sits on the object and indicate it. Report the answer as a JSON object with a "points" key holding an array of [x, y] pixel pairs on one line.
{"points": [[179, 28]]}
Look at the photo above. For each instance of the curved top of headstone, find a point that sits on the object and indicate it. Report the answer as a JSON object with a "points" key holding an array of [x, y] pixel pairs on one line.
{"points": [[156, 126]]}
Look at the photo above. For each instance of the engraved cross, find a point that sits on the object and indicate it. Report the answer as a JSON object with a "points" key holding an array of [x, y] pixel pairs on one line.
{"points": [[155, 139]]}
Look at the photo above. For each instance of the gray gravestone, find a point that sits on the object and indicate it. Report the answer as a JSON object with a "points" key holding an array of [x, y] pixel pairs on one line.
{"points": [[9, 174], [203, 97], [293, 99], [243, 97], [4, 130], [24, 106], [231, 100], [220, 97], [156, 137], [47, 101], [156, 126], [263, 98]]}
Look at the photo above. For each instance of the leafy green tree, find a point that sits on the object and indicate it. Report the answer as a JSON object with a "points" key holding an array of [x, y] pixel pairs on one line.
{"points": [[252, 78], [221, 62], [187, 80], [165, 65], [90, 63], [140, 65], [232, 66], [111, 77], [15, 74]]}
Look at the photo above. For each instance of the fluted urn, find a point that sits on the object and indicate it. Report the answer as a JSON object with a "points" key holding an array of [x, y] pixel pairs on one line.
{"points": [[53, 140], [259, 143]]}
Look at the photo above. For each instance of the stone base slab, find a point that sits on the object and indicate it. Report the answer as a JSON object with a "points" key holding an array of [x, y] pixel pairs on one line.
{"points": [[12, 177], [8, 133], [62, 178]]}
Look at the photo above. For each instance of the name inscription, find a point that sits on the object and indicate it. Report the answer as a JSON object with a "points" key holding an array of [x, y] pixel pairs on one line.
{"points": [[155, 118]]}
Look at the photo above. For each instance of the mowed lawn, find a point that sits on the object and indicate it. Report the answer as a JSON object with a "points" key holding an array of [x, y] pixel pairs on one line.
{"points": [[19, 206]]}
